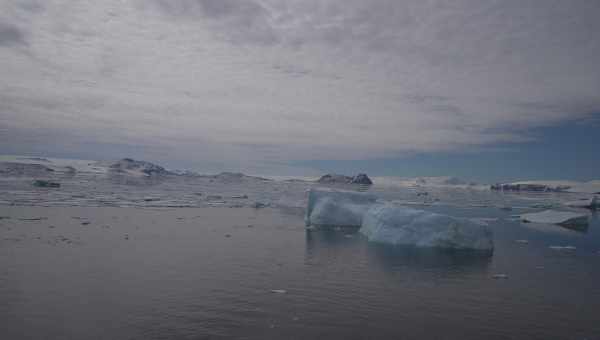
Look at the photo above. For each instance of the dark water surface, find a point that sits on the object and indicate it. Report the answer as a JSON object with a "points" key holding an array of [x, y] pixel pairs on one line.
{"points": [[209, 273]]}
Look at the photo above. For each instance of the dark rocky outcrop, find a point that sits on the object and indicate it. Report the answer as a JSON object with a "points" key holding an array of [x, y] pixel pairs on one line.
{"points": [[146, 168], [361, 179], [343, 179]]}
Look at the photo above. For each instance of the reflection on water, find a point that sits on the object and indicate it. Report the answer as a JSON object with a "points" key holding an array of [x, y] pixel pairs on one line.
{"points": [[323, 245]]}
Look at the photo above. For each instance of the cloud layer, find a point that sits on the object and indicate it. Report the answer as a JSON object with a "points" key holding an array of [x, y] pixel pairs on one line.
{"points": [[251, 82]]}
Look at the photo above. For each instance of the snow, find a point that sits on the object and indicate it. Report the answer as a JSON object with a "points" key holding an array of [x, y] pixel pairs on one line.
{"points": [[563, 218], [337, 208], [407, 226]]}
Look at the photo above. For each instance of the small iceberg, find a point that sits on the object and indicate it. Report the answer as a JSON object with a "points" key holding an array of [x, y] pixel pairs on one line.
{"points": [[562, 218], [407, 226], [592, 204]]}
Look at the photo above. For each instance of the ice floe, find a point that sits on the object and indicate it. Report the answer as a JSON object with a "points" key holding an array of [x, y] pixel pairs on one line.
{"points": [[550, 186], [562, 218], [591, 203]]}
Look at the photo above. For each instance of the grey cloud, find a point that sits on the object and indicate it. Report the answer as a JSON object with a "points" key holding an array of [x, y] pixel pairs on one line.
{"points": [[239, 21], [299, 78], [11, 35], [33, 6]]}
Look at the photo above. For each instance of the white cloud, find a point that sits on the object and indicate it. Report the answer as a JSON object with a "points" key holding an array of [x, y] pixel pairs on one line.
{"points": [[244, 82]]}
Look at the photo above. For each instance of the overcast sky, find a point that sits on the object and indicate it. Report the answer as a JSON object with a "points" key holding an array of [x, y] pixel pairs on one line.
{"points": [[257, 85]]}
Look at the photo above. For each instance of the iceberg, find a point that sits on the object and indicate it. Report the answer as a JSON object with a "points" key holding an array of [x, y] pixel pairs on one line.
{"points": [[337, 208], [391, 224], [562, 218]]}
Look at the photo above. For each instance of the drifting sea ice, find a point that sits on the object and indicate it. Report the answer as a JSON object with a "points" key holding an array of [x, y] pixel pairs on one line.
{"points": [[592, 204], [562, 218]]}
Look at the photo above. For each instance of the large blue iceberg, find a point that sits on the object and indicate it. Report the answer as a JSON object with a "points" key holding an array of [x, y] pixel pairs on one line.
{"points": [[387, 223]]}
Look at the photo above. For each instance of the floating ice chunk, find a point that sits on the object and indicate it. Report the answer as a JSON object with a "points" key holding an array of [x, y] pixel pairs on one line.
{"points": [[562, 248], [562, 218], [524, 186], [592, 204], [337, 208], [407, 226], [278, 291]]}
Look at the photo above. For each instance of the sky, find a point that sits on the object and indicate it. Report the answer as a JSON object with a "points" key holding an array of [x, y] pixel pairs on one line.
{"points": [[471, 88]]}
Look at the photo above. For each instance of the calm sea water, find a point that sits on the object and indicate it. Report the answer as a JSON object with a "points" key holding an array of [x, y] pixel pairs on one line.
{"points": [[143, 271]]}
